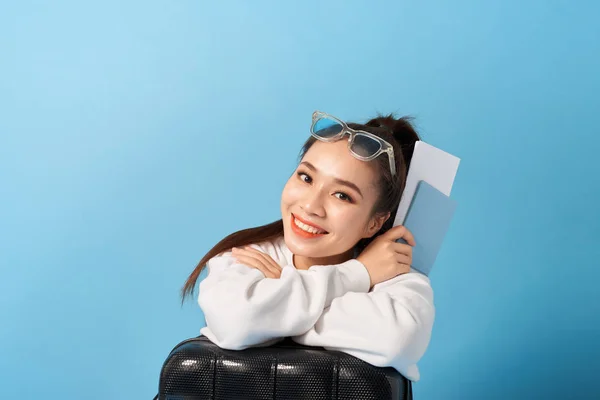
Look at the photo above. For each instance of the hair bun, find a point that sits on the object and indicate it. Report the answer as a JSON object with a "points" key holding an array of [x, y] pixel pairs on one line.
{"points": [[402, 130]]}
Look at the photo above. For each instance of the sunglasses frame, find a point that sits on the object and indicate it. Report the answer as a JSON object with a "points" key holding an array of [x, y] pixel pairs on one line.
{"points": [[385, 147]]}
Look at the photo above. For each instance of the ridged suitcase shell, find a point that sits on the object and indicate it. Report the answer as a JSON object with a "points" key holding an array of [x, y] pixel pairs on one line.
{"points": [[198, 369]]}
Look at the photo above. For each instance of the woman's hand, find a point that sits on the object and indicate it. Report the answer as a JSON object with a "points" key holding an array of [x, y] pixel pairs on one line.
{"points": [[384, 258], [257, 259]]}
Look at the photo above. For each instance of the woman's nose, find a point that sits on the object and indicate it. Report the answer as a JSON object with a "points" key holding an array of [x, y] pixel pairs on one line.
{"points": [[313, 203]]}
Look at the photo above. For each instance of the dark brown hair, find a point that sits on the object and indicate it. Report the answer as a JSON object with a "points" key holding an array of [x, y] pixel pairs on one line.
{"points": [[400, 133]]}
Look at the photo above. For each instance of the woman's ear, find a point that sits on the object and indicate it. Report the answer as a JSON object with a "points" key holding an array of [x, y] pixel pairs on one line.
{"points": [[375, 224]]}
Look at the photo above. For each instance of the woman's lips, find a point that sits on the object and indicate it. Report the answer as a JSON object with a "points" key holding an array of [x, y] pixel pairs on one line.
{"points": [[301, 232], [308, 223]]}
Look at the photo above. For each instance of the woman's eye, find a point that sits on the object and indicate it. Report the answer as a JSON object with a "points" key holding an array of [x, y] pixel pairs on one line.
{"points": [[344, 197], [304, 177]]}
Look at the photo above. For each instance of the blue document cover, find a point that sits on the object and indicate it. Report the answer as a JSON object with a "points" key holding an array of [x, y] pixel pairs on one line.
{"points": [[428, 219]]}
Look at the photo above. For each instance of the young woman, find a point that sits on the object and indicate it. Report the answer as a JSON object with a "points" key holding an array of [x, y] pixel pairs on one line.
{"points": [[330, 272]]}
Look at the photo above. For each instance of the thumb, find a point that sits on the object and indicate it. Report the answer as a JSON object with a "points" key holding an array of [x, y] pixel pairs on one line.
{"points": [[401, 232]]}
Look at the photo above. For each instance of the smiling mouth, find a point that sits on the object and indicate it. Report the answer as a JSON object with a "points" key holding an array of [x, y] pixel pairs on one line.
{"points": [[305, 229]]}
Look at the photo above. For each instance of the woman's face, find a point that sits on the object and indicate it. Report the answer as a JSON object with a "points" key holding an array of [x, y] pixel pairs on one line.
{"points": [[326, 204]]}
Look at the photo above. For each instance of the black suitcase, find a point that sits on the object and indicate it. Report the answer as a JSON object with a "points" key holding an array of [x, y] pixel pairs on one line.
{"points": [[197, 369]]}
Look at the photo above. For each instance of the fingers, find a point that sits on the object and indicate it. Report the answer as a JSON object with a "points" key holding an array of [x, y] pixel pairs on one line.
{"points": [[257, 257], [402, 248], [253, 263], [264, 257], [258, 260], [401, 232], [403, 259], [403, 269]]}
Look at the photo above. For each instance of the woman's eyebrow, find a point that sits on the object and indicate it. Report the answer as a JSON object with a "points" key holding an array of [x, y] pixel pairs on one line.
{"points": [[337, 180]]}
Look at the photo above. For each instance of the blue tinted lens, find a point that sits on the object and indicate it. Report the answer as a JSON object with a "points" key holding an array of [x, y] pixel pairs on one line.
{"points": [[365, 146], [327, 128]]}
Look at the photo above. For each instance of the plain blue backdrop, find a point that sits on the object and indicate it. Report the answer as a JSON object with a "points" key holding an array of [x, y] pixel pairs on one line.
{"points": [[134, 135]]}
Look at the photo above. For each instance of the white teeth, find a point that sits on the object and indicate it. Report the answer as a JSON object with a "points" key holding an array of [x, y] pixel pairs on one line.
{"points": [[306, 228]]}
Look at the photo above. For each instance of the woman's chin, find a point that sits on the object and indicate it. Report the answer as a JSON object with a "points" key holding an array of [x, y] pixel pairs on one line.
{"points": [[302, 247]]}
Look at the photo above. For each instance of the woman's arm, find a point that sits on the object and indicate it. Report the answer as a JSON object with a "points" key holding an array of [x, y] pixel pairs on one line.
{"points": [[243, 308], [390, 326]]}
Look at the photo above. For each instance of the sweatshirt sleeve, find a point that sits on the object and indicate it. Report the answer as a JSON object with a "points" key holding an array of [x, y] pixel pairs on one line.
{"points": [[387, 327], [242, 308]]}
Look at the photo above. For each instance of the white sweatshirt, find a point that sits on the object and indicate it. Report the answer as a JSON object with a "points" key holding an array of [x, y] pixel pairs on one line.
{"points": [[328, 306]]}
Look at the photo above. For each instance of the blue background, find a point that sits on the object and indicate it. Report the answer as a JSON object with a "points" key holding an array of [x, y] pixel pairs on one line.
{"points": [[135, 135]]}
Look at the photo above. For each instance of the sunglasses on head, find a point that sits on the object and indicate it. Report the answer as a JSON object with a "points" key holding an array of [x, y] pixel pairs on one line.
{"points": [[363, 145]]}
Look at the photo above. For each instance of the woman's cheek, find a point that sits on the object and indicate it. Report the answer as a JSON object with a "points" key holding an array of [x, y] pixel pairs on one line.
{"points": [[340, 217], [290, 191], [294, 192]]}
